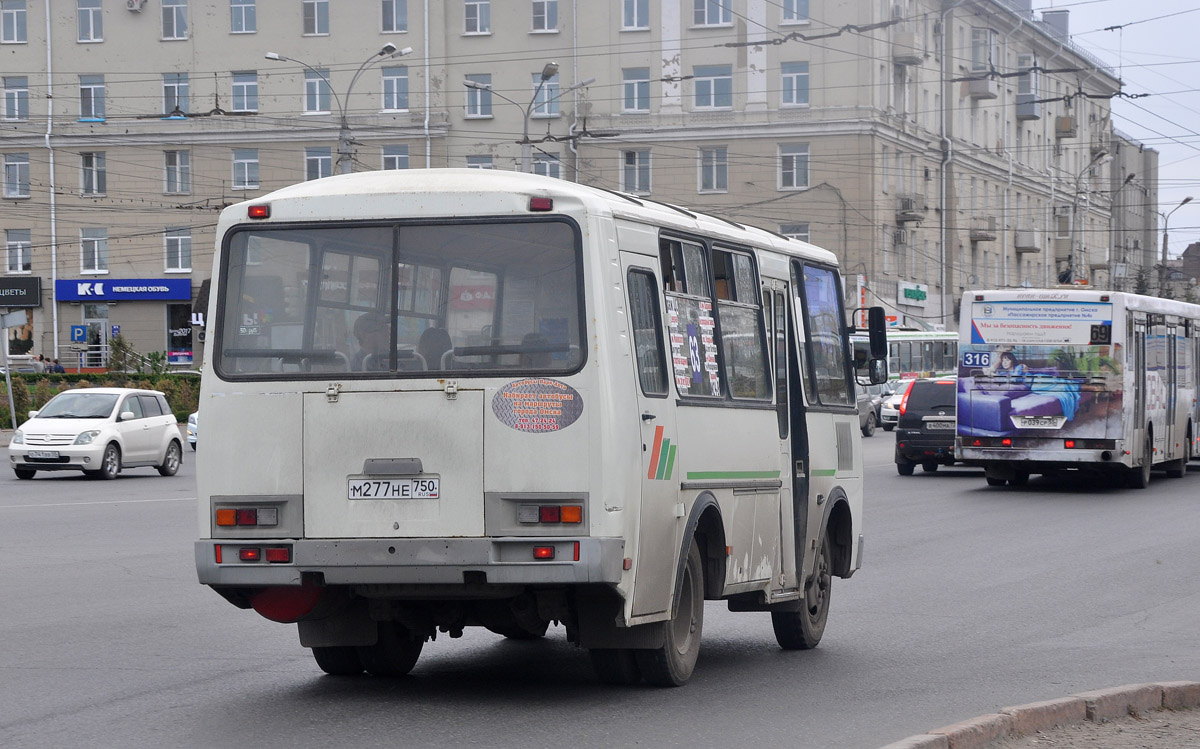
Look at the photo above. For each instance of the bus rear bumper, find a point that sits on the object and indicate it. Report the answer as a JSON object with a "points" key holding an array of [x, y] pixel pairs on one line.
{"points": [[413, 560], [1037, 461]]}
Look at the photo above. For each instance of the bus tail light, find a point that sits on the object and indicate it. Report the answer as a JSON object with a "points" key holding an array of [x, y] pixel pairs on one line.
{"points": [[262, 210], [551, 514], [541, 204], [279, 554], [1081, 444], [247, 516], [543, 552], [249, 554]]}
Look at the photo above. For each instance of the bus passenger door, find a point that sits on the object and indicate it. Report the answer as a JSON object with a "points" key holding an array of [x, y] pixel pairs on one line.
{"points": [[659, 523], [793, 450], [1139, 386]]}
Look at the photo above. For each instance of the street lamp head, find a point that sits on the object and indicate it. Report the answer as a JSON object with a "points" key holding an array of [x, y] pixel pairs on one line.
{"points": [[477, 85], [275, 56], [1186, 200], [549, 71], [388, 49], [403, 52], [1129, 177]]}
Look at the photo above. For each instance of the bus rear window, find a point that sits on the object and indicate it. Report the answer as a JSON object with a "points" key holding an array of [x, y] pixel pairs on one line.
{"points": [[409, 300]]}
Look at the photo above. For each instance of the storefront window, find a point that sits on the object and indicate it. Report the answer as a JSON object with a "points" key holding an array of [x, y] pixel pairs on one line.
{"points": [[179, 334]]}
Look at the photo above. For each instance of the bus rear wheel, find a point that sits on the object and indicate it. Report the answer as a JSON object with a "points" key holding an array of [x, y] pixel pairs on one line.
{"points": [[616, 666], [394, 654], [672, 664], [802, 629], [1139, 476], [338, 661]]}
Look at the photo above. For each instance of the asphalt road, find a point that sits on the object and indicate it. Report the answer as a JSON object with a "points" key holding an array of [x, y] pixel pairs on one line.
{"points": [[971, 598]]}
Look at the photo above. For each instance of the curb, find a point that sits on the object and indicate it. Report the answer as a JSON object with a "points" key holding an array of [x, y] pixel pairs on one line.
{"points": [[1096, 707]]}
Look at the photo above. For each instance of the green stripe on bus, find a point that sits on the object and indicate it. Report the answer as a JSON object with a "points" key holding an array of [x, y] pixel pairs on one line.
{"points": [[662, 463], [693, 476], [671, 462], [825, 472]]}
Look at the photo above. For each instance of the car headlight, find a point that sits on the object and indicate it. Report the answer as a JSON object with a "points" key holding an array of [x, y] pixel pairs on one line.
{"points": [[85, 438], [18, 438]]}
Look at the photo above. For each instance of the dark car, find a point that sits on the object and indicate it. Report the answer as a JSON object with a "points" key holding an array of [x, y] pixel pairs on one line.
{"points": [[926, 428]]}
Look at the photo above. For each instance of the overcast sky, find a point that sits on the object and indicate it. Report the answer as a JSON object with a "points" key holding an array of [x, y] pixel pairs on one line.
{"points": [[1154, 52]]}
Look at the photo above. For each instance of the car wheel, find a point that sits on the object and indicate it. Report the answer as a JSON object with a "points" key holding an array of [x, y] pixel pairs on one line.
{"points": [[929, 466], [869, 428], [996, 481], [888, 427], [25, 473], [905, 467], [110, 464], [193, 444], [171, 461]]}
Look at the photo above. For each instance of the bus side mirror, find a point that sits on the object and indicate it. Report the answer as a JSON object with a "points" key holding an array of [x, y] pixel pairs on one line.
{"points": [[878, 371], [877, 330]]}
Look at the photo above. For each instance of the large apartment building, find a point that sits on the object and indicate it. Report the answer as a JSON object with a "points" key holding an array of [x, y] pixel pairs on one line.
{"points": [[933, 145]]}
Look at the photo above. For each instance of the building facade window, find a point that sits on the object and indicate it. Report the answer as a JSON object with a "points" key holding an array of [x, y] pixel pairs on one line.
{"points": [[711, 13], [795, 11], [545, 15], [395, 16], [179, 250], [395, 89], [174, 19], [90, 17], [714, 86], [796, 231], [477, 16], [983, 50], [19, 243], [316, 91], [16, 97], [245, 91], [795, 83], [245, 168], [479, 100], [395, 157], [178, 172], [545, 103], [635, 171], [243, 16], [479, 162], [91, 97], [93, 244], [714, 169], [635, 89], [547, 165], [635, 15], [12, 22], [1027, 82], [175, 94], [793, 166], [316, 17], [16, 175], [318, 162], [93, 174]]}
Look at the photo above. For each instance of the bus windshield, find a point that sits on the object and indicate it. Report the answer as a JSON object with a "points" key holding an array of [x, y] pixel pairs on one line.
{"points": [[469, 298]]}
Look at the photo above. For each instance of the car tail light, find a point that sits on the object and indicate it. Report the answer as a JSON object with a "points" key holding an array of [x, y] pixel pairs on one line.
{"points": [[904, 400]]}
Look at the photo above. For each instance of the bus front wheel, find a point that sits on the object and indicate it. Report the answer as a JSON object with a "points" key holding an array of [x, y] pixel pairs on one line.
{"points": [[671, 665], [802, 629]]}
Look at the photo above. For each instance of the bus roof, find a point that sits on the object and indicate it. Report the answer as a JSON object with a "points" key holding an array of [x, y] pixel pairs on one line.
{"points": [[370, 195], [1139, 302]]}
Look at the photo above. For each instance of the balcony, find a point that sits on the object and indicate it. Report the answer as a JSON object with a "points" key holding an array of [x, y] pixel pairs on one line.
{"points": [[1028, 107], [1026, 241], [983, 88], [910, 208], [906, 49], [983, 228], [1065, 127]]}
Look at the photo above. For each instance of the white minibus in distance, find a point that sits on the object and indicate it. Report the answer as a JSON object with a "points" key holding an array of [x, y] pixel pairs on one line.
{"points": [[1071, 378], [444, 398]]}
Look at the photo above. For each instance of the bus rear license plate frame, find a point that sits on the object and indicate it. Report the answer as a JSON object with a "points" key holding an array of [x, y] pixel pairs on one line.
{"points": [[1038, 422], [425, 487]]}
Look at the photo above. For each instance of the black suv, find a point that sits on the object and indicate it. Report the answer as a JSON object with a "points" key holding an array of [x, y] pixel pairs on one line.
{"points": [[925, 432]]}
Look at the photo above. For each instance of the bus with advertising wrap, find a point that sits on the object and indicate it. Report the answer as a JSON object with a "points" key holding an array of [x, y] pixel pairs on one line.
{"points": [[1053, 379], [447, 398]]}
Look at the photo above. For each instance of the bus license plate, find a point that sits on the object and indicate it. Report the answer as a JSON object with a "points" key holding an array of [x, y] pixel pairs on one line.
{"points": [[43, 454], [393, 488], [1038, 422], [939, 425]]}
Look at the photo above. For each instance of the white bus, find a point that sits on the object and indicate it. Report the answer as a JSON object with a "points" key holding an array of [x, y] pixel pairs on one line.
{"points": [[444, 398], [1053, 379], [915, 353]]}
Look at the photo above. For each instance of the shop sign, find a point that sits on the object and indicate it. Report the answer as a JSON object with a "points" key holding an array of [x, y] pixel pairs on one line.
{"points": [[912, 294], [21, 292], [123, 289]]}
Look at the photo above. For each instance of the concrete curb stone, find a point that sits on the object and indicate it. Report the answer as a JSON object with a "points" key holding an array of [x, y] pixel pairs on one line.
{"points": [[1096, 706]]}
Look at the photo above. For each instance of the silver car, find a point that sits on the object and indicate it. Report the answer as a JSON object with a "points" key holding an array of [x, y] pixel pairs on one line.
{"points": [[889, 408]]}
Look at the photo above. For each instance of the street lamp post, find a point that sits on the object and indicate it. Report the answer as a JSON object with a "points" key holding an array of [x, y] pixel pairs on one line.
{"points": [[1068, 275], [345, 139], [1162, 268], [548, 72]]}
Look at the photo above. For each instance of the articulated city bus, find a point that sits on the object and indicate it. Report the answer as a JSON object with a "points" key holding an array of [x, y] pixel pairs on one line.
{"points": [[1053, 379], [445, 398]]}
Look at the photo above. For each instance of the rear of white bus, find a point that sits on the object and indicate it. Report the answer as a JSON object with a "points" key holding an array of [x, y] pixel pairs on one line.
{"points": [[1041, 384], [401, 405]]}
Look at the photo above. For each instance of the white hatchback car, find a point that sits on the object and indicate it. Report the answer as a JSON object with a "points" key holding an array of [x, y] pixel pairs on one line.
{"points": [[99, 431]]}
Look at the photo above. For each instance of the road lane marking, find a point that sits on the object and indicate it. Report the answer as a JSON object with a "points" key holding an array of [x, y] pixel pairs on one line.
{"points": [[98, 502]]}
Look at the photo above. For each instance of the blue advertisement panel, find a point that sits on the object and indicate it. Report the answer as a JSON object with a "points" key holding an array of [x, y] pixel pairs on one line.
{"points": [[123, 290], [1040, 369]]}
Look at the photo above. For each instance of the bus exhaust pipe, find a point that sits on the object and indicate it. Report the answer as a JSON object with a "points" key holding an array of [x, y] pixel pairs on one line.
{"points": [[1106, 455]]}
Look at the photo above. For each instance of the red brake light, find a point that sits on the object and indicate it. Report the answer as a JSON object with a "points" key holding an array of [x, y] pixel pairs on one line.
{"points": [[259, 211], [541, 204], [904, 400], [550, 514], [1069, 444], [543, 552], [249, 553], [279, 554], [1007, 442], [247, 517]]}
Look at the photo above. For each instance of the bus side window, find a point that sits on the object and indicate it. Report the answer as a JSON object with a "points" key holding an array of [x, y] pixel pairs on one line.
{"points": [[647, 332], [743, 347], [691, 319]]}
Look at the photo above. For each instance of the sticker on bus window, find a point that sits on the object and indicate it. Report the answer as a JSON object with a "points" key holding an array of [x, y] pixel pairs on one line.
{"points": [[537, 405]]}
